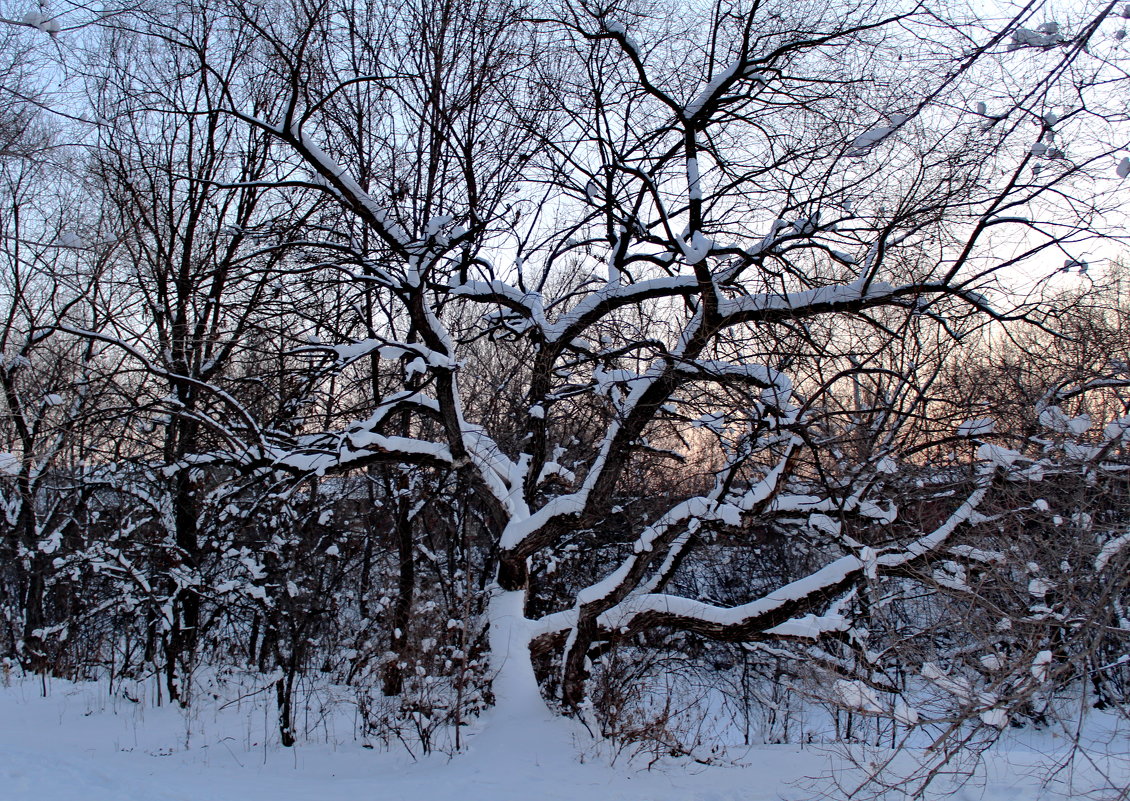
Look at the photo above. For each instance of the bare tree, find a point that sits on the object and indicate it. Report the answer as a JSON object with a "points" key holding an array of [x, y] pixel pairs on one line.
{"points": [[50, 382], [187, 220]]}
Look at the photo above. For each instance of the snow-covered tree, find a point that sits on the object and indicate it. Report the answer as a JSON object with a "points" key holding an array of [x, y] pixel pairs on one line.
{"points": [[50, 383], [725, 246]]}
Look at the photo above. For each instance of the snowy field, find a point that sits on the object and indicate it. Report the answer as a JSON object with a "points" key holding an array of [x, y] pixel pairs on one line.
{"points": [[81, 744]]}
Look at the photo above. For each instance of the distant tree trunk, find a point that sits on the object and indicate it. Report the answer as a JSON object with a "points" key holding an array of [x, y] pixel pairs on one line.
{"points": [[253, 639], [365, 581], [284, 694], [32, 568], [393, 679], [184, 634]]}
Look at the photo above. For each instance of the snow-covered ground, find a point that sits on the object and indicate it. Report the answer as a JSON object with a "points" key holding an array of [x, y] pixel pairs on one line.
{"points": [[82, 744]]}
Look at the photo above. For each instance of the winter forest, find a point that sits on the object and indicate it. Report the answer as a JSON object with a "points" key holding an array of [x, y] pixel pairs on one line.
{"points": [[681, 377]]}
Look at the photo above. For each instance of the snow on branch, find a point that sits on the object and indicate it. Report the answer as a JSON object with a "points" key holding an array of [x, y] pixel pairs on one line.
{"points": [[591, 308], [527, 304], [737, 70], [359, 447], [1110, 550], [756, 618], [825, 297], [341, 183], [392, 350], [757, 374]]}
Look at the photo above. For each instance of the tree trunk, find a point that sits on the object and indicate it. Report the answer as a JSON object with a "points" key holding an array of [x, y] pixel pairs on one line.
{"points": [[184, 635], [284, 694], [515, 685], [393, 679], [32, 585], [575, 673]]}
